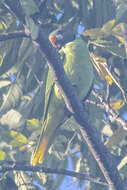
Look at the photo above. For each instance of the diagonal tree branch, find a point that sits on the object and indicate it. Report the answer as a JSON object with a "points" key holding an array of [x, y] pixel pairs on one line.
{"points": [[89, 133]]}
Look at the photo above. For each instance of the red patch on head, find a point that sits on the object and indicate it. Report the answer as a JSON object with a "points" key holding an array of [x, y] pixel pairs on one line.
{"points": [[52, 39]]}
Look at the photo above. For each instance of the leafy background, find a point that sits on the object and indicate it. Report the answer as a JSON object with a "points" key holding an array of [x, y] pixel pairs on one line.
{"points": [[23, 71]]}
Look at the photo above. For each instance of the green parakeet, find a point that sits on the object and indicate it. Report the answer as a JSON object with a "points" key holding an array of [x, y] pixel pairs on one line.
{"points": [[79, 69]]}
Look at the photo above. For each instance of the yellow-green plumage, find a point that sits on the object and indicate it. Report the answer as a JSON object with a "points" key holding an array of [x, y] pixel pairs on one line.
{"points": [[79, 70]]}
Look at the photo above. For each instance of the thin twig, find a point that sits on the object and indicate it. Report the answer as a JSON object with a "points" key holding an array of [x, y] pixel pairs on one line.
{"points": [[12, 35], [113, 116]]}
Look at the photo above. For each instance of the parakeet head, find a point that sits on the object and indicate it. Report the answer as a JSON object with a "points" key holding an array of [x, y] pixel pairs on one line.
{"points": [[59, 38]]}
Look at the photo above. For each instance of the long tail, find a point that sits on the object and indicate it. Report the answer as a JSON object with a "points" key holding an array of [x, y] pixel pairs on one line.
{"points": [[38, 156], [41, 148]]}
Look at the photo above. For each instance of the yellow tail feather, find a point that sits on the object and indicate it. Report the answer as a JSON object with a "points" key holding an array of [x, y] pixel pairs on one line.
{"points": [[38, 156]]}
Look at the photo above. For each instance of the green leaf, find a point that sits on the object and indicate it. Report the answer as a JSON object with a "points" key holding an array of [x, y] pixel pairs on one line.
{"points": [[116, 138], [2, 58], [18, 138], [24, 181], [123, 163], [2, 155], [11, 98], [4, 83], [26, 50], [116, 49], [10, 48], [33, 124], [121, 13], [107, 130], [34, 29], [29, 7], [3, 25], [13, 119]]}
